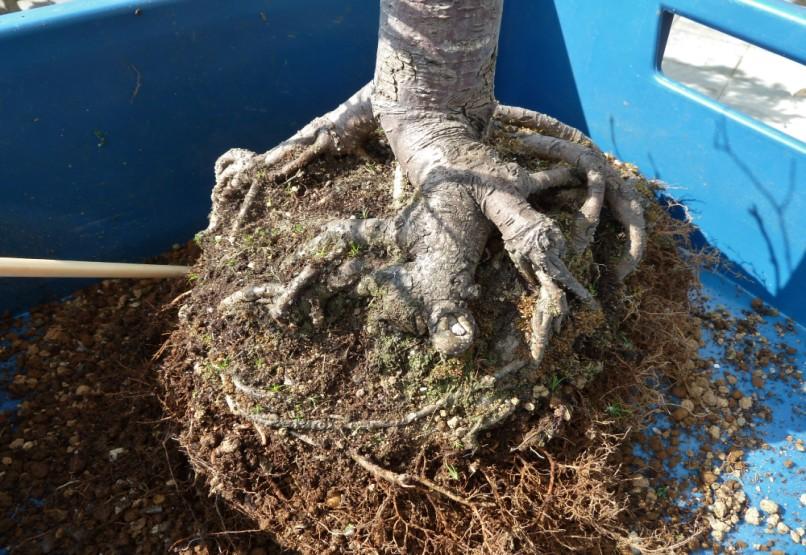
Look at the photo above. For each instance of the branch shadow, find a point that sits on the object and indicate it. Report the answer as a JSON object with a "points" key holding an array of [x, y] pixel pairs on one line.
{"points": [[764, 101], [783, 261]]}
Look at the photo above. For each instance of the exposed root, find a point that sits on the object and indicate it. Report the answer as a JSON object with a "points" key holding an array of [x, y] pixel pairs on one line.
{"points": [[558, 141], [550, 488], [340, 130], [508, 498], [464, 187], [327, 248], [550, 309], [542, 123], [491, 385], [299, 481], [409, 481], [541, 182], [401, 480]]}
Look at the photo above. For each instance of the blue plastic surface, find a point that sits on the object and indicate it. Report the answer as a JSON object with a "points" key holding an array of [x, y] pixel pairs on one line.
{"points": [[110, 122], [767, 477], [744, 182]]}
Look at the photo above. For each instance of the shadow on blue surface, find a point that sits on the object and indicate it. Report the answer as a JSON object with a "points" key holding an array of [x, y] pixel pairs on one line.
{"points": [[550, 88], [113, 120], [110, 123]]}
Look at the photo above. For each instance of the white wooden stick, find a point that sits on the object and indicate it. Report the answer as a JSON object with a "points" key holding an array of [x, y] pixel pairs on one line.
{"points": [[38, 267]]}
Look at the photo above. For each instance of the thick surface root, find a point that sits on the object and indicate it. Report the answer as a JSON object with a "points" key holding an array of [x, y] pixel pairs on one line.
{"points": [[462, 186], [551, 139], [239, 170], [336, 316]]}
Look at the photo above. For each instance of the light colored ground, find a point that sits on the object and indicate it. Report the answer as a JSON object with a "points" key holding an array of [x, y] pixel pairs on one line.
{"points": [[750, 80], [16, 5]]}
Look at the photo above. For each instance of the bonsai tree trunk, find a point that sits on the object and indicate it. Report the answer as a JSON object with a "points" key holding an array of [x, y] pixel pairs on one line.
{"points": [[330, 406], [433, 97]]}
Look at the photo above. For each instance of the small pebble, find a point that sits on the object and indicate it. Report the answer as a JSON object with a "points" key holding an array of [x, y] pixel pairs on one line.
{"points": [[720, 509], [718, 525], [679, 414], [539, 391], [752, 516], [769, 507], [83, 390], [115, 453]]}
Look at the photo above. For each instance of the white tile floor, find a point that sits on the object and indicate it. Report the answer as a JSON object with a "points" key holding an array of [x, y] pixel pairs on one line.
{"points": [[17, 5], [749, 79]]}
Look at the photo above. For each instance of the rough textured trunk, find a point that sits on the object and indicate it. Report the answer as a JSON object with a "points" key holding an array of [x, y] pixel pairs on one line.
{"points": [[433, 96], [437, 59]]}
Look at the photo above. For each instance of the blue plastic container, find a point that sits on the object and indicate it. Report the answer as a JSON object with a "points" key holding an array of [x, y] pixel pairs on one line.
{"points": [[113, 112]]}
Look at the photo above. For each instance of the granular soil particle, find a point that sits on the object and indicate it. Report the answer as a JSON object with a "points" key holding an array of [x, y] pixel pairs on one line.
{"points": [[87, 461], [90, 463]]}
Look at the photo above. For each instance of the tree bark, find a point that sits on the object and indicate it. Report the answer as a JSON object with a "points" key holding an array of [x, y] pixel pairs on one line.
{"points": [[433, 96], [436, 58]]}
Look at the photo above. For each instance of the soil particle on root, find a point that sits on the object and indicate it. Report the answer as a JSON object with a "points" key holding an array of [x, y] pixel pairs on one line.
{"points": [[558, 475], [87, 461]]}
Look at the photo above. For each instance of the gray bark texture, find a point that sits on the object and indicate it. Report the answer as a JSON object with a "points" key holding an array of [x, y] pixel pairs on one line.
{"points": [[432, 95]]}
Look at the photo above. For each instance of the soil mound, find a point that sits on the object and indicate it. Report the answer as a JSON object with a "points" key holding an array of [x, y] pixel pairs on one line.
{"points": [[335, 432]]}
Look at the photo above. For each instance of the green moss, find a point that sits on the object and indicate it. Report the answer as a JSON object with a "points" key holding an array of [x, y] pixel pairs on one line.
{"points": [[555, 381], [355, 250], [394, 352], [617, 410]]}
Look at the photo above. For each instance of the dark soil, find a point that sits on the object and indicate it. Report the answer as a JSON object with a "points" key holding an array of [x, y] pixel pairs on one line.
{"points": [[88, 461], [551, 478]]}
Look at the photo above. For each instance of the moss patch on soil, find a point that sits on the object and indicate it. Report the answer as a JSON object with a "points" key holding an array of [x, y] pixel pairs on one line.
{"points": [[550, 478]]}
